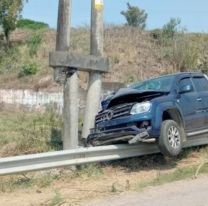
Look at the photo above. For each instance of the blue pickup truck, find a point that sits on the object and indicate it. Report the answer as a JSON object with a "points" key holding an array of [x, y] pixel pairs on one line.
{"points": [[166, 110]]}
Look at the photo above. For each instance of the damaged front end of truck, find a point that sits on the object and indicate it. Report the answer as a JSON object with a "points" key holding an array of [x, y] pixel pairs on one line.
{"points": [[125, 117]]}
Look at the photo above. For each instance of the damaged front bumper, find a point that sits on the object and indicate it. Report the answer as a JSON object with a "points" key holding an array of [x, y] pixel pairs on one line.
{"points": [[131, 134]]}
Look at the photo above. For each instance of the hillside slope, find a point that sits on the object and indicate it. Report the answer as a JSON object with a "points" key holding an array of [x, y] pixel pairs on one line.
{"points": [[134, 55]]}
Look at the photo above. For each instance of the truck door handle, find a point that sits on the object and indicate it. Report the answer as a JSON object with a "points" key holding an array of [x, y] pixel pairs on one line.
{"points": [[199, 99]]}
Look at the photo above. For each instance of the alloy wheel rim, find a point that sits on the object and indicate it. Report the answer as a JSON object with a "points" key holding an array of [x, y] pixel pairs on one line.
{"points": [[174, 137]]}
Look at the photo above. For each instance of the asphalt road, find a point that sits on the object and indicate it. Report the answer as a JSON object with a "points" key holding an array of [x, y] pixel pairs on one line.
{"points": [[183, 193]]}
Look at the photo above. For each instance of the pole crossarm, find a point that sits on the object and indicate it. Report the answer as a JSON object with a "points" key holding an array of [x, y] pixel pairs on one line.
{"points": [[86, 63]]}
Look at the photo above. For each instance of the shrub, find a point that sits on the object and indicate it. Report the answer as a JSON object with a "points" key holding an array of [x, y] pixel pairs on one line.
{"points": [[9, 59], [171, 28], [183, 54], [34, 43], [27, 70], [30, 24], [166, 35], [156, 34], [135, 16]]}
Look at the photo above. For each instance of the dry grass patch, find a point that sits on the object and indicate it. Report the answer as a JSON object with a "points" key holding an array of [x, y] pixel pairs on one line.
{"points": [[25, 132]]}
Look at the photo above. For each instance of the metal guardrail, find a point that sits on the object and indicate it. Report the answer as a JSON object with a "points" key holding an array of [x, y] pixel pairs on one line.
{"points": [[34, 162]]}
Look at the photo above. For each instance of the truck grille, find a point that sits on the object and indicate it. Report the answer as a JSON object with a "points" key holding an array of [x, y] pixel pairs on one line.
{"points": [[114, 112]]}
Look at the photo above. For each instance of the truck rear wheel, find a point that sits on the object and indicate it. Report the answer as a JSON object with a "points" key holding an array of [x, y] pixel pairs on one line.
{"points": [[171, 138]]}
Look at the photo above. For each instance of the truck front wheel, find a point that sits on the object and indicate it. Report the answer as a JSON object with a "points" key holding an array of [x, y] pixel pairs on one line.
{"points": [[171, 138]]}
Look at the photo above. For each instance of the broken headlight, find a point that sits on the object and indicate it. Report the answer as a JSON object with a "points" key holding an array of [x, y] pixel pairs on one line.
{"points": [[141, 108]]}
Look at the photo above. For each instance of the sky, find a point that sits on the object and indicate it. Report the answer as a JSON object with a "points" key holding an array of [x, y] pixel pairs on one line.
{"points": [[193, 13]]}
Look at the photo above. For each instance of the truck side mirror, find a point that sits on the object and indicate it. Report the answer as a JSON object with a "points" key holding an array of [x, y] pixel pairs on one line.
{"points": [[186, 89]]}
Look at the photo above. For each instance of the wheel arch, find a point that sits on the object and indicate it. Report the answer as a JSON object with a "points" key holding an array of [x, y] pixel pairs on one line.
{"points": [[175, 115]]}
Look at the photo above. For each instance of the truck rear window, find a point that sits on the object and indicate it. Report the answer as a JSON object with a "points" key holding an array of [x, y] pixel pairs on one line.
{"points": [[201, 84]]}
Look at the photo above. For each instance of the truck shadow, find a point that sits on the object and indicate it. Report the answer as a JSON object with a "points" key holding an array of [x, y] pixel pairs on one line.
{"points": [[158, 161]]}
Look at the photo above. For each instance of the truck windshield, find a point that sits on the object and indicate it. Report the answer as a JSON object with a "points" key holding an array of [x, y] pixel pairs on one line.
{"points": [[158, 84]]}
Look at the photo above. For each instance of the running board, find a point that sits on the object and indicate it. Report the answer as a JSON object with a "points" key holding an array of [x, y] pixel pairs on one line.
{"points": [[197, 133]]}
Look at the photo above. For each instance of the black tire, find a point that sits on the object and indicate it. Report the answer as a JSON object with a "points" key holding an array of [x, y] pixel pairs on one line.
{"points": [[92, 143], [171, 138]]}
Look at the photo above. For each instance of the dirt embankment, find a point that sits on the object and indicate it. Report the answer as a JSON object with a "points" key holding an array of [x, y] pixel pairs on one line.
{"points": [[133, 54]]}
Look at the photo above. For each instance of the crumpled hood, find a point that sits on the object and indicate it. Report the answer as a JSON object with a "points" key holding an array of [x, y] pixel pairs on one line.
{"points": [[130, 91], [128, 95]]}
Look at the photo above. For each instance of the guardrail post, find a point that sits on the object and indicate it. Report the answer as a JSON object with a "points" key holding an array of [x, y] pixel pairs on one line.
{"points": [[70, 110], [95, 84]]}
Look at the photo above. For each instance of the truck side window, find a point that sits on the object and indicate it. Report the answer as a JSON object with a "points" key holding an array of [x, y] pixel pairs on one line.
{"points": [[201, 84], [185, 81]]}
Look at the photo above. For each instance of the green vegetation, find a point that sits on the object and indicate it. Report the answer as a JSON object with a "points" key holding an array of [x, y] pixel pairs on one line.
{"points": [[114, 188], [9, 60], [46, 179], [31, 24], [27, 70], [170, 29], [203, 62], [27, 181], [182, 53], [161, 51], [135, 16], [89, 170], [29, 132], [20, 59], [182, 50], [135, 55], [178, 174], [133, 165], [57, 199], [157, 51], [34, 43], [15, 183], [9, 14]]}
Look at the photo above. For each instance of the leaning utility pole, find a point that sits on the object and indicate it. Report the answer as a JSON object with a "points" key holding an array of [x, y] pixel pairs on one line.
{"points": [[70, 109], [66, 63], [95, 83]]}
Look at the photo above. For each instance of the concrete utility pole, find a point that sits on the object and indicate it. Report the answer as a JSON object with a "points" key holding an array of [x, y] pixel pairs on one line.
{"points": [[66, 63], [95, 84], [70, 110]]}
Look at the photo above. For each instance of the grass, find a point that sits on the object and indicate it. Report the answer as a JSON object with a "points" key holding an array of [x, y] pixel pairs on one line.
{"points": [[57, 199], [32, 180], [13, 183], [94, 181], [31, 24], [89, 170], [25, 132], [166, 172], [120, 42], [178, 174], [123, 45], [38, 180], [9, 128]]}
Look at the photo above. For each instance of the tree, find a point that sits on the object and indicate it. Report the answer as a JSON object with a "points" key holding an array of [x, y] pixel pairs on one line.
{"points": [[135, 16], [9, 14], [171, 28]]}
